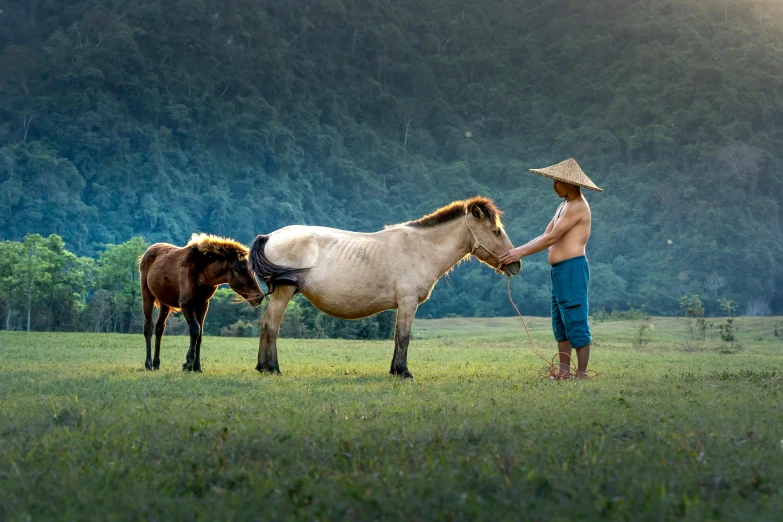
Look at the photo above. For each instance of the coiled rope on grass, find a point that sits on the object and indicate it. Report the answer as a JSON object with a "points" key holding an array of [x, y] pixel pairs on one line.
{"points": [[551, 368]]}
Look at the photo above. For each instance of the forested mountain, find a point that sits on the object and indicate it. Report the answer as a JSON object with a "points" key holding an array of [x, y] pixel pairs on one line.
{"points": [[159, 119]]}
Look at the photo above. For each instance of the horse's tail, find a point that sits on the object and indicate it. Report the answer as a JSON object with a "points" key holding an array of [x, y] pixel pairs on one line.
{"points": [[271, 274], [145, 263], [148, 258]]}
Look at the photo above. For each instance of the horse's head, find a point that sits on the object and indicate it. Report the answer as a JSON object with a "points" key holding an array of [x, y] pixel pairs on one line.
{"points": [[489, 239], [242, 281]]}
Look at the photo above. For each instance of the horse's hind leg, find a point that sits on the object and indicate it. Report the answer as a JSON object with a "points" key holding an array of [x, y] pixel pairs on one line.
{"points": [[160, 328], [406, 311], [147, 303], [270, 327]]}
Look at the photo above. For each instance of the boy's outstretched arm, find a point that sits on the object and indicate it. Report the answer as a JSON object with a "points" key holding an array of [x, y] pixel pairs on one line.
{"points": [[544, 241]]}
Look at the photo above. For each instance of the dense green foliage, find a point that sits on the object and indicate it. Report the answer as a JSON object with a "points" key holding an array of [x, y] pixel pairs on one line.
{"points": [[675, 430], [46, 287], [160, 119]]}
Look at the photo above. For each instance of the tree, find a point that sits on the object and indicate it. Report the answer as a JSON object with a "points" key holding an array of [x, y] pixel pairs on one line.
{"points": [[694, 313], [65, 282], [728, 330], [10, 255], [19, 64], [714, 283], [117, 271], [35, 269], [741, 162], [41, 190]]}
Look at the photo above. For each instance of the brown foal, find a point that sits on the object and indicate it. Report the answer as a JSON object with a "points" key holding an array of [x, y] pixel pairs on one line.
{"points": [[185, 279]]}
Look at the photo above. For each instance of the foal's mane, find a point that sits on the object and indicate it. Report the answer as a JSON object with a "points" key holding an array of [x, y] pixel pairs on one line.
{"points": [[457, 209], [217, 246]]}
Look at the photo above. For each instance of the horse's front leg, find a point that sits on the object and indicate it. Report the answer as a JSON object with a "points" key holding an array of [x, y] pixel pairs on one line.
{"points": [[200, 316], [195, 332], [406, 311], [270, 327]]}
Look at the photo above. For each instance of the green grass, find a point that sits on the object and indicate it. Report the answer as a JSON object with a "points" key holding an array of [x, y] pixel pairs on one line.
{"points": [[676, 429]]}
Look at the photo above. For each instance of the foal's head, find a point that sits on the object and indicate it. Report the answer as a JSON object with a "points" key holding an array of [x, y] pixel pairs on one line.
{"points": [[488, 235], [242, 281], [234, 267]]}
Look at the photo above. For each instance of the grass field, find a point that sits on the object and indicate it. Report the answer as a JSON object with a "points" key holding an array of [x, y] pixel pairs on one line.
{"points": [[675, 429]]}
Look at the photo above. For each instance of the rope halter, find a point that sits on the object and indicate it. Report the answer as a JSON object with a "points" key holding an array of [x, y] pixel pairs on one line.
{"points": [[478, 244]]}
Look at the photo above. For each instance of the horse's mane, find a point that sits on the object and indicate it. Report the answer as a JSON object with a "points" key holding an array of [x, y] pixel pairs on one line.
{"points": [[218, 246], [457, 209]]}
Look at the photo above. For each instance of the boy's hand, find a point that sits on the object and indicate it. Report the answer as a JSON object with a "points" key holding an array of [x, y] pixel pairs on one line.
{"points": [[513, 255]]}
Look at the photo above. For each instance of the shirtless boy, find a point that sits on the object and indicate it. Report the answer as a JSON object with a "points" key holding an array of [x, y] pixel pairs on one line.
{"points": [[566, 238]]}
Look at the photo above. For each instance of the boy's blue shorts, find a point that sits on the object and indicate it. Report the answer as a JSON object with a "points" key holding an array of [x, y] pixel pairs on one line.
{"points": [[570, 279]]}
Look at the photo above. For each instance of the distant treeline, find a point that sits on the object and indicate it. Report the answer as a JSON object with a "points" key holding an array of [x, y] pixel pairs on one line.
{"points": [[44, 287]]}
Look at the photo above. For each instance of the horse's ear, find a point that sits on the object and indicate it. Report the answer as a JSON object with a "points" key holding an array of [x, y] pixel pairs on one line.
{"points": [[477, 212]]}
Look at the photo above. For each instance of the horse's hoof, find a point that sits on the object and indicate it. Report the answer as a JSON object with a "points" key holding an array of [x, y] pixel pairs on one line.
{"points": [[274, 370], [187, 367], [402, 373], [156, 365], [148, 365]]}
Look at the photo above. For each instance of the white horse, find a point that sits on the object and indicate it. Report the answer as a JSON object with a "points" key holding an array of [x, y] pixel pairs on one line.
{"points": [[352, 275]]}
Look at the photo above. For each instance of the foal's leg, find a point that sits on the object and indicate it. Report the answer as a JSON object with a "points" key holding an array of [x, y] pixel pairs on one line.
{"points": [[270, 327], [195, 332], [160, 327], [200, 315], [147, 303], [406, 311]]}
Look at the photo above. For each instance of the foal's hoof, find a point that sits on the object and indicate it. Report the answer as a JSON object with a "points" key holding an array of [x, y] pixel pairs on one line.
{"points": [[274, 370], [403, 373], [188, 366], [148, 365], [155, 364]]}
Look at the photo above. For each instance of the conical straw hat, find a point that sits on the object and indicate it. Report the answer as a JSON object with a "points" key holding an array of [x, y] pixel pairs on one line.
{"points": [[569, 172]]}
